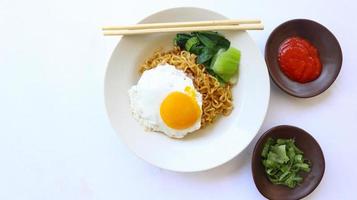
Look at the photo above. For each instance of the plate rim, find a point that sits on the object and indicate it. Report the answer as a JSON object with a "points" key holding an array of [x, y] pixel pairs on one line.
{"points": [[258, 127]]}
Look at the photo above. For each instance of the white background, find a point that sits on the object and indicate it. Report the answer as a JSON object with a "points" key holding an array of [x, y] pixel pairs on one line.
{"points": [[56, 141]]}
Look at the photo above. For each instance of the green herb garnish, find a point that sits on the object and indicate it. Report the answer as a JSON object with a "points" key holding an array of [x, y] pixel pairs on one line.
{"points": [[283, 162], [213, 51]]}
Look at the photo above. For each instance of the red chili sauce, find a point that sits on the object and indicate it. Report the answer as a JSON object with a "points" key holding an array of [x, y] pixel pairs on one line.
{"points": [[299, 60]]}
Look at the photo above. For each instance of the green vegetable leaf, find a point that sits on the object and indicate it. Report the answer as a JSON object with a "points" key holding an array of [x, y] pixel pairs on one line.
{"points": [[181, 39], [191, 42], [197, 49], [206, 41], [220, 41], [225, 63], [206, 54]]}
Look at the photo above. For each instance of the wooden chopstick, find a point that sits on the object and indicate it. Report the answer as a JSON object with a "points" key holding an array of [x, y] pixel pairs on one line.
{"points": [[184, 24], [113, 32]]}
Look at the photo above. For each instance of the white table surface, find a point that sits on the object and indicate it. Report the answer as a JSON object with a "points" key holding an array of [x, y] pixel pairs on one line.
{"points": [[55, 138]]}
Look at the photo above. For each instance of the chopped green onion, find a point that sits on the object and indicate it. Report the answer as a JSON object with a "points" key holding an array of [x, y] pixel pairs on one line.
{"points": [[283, 162]]}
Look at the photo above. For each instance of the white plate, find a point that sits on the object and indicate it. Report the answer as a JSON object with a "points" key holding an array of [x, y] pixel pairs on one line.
{"points": [[206, 148]]}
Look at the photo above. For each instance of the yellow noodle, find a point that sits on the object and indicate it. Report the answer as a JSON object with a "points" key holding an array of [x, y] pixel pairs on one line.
{"points": [[216, 98]]}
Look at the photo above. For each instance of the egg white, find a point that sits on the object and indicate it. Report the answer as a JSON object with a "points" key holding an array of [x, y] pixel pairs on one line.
{"points": [[152, 88]]}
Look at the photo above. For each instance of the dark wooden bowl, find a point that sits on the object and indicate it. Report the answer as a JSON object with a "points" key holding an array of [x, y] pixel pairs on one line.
{"points": [[312, 152], [327, 45]]}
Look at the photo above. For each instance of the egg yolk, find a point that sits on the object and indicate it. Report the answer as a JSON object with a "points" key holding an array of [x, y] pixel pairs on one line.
{"points": [[190, 91], [179, 110]]}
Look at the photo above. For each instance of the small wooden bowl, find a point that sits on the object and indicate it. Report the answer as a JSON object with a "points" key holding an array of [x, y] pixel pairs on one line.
{"points": [[327, 45], [312, 152]]}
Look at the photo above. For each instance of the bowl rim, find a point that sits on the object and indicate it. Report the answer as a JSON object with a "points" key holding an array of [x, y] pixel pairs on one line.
{"points": [[279, 84], [260, 142]]}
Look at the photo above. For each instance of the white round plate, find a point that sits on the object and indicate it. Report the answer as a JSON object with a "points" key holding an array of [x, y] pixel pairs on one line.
{"points": [[206, 148]]}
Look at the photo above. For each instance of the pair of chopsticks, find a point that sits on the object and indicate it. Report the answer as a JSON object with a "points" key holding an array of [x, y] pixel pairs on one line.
{"points": [[215, 25]]}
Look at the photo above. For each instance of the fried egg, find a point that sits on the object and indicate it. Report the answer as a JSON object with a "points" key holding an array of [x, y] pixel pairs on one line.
{"points": [[165, 100]]}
